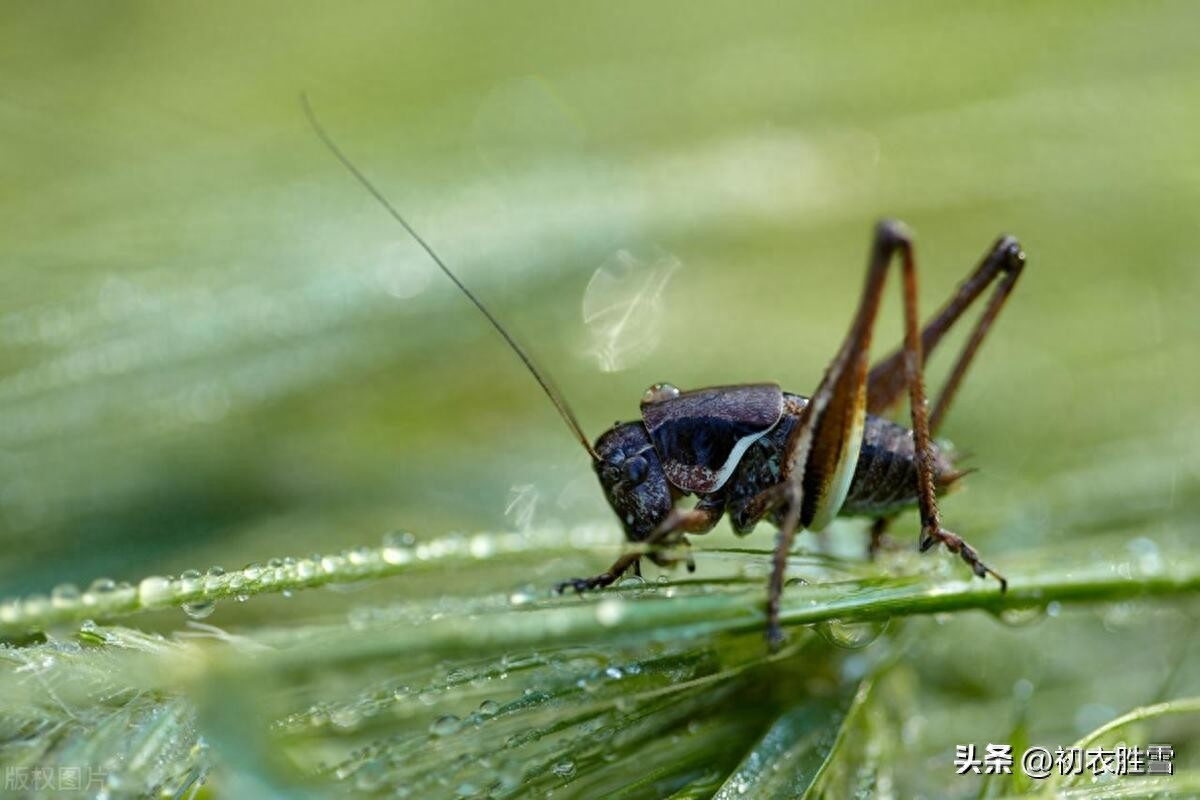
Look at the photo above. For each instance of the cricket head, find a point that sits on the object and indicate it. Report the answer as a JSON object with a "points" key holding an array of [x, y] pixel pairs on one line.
{"points": [[633, 480]]}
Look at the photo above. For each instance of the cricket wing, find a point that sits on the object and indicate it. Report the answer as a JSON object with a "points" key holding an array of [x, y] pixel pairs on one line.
{"points": [[701, 435]]}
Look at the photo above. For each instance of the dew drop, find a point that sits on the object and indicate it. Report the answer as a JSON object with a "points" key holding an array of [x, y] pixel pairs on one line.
{"points": [[445, 725], [1121, 616], [482, 546], [398, 548], [154, 590], [1053, 608], [660, 392], [632, 585], [64, 595], [370, 777], [1146, 551], [102, 586], [213, 578], [345, 717], [851, 636], [489, 708], [201, 609], [609, 612], [564, 769], [523, 596], [1020, 617], [189, 581], [359, 556]]}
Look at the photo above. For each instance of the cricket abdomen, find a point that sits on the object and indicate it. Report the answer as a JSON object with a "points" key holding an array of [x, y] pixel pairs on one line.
{"points": [[885, 478], [884, 481]]}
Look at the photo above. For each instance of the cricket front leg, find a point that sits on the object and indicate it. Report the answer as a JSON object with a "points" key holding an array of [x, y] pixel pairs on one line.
{"points": [[609, 576], [701, 519]]}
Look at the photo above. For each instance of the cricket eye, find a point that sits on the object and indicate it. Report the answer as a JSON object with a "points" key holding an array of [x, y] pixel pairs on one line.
{"points": [[636, 470]]}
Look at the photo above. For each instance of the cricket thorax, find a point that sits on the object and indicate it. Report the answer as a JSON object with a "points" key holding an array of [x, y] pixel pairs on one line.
{"points": [[885, 476]]}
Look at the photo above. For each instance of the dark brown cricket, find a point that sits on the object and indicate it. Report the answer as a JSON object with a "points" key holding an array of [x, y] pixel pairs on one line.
{"points": [[754, 452]]}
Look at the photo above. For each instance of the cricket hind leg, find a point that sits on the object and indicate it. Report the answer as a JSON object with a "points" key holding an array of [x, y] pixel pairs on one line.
{"points": [[823, 447], [700, 519], [886, 382]]}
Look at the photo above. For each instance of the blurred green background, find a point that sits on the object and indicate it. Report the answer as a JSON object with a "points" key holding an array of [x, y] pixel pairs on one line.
{"points": [[214, 348]]}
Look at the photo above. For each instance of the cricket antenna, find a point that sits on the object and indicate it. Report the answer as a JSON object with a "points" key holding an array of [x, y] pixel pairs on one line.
{"points": [[541, 377]]}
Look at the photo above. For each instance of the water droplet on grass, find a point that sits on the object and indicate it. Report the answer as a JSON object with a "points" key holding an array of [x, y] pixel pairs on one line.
{"points": [[398, 548], [154, 590], [201, 609], [102, 586], [345, 717], [1020, 617], [445, 725], [523, 596], [214, 578], [851, 635], [64, 595], [609, 612]]}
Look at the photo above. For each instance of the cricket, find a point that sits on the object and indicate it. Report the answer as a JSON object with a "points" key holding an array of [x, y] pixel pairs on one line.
{"points": [[754, 452]]}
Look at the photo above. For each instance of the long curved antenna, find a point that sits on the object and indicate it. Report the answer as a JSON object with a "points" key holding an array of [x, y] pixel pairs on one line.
{"points": [[541, 377]]}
